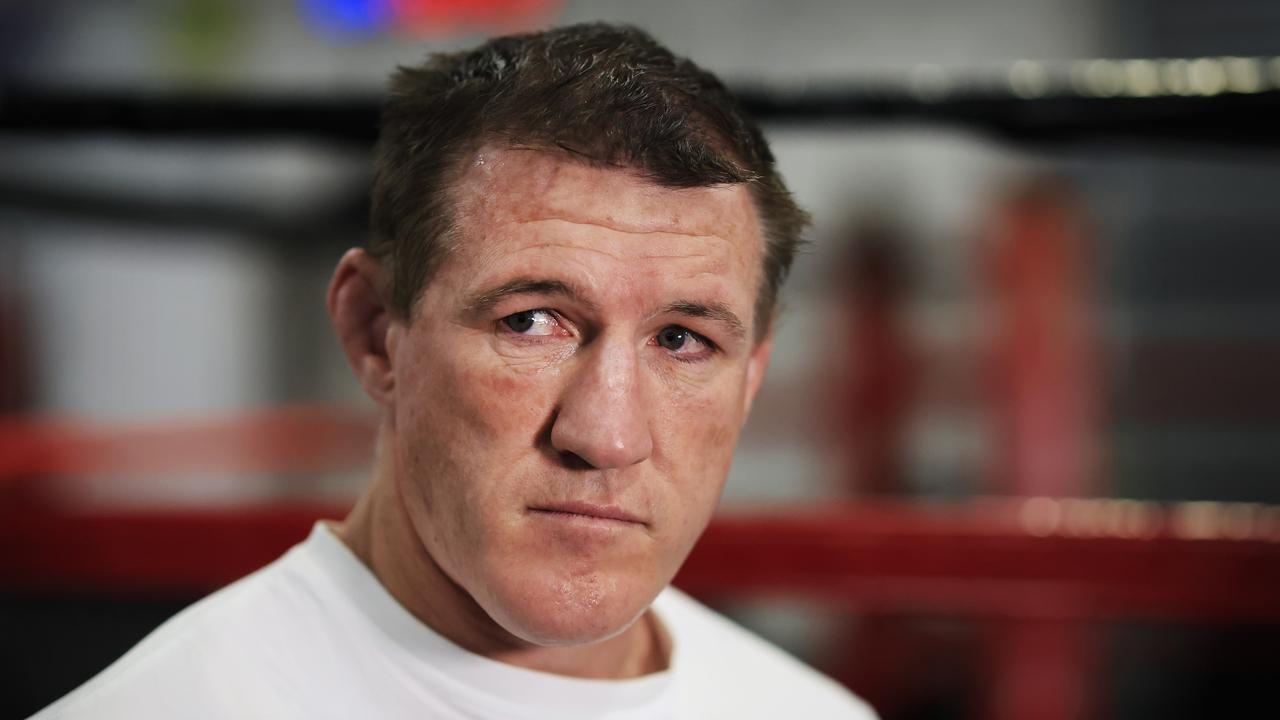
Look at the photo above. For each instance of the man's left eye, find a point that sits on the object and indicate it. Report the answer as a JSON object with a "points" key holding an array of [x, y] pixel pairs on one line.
{"points": [[531, 322], [673, 337], [682, 341]]}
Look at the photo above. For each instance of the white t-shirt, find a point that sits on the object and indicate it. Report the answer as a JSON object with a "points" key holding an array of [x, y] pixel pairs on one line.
{"points": [[315, 635]]}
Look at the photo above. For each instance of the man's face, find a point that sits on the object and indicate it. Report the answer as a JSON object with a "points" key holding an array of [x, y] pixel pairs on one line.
{"points": [[570, 387]]}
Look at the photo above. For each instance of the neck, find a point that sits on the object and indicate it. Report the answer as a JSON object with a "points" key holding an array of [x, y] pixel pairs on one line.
{"points": [[378, 530]]}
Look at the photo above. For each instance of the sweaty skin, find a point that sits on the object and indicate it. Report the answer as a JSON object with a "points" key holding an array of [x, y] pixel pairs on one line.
{"points": [[560, 408]]}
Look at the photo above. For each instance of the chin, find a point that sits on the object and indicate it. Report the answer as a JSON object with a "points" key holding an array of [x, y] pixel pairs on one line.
{"points": [[554, 611]]}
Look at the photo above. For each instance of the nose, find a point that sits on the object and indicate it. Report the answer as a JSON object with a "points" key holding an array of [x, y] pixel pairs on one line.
{"points": [[602, 417]]}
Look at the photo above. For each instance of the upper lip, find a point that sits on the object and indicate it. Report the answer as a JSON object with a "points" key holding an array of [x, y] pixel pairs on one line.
{"points": [[590, 509]]}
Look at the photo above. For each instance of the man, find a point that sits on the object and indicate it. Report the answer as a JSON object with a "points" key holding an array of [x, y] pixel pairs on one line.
{"points": [[564, 316]]}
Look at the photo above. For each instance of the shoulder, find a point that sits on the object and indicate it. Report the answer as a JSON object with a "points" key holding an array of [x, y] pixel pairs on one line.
{"points": [[723, 670], [230, 640]]}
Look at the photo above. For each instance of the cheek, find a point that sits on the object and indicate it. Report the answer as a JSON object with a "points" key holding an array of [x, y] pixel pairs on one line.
{"points": [[713, 435], [457, 406], [705, 420], [482, 402], [501, 409], [700, 431], [461, 429]]}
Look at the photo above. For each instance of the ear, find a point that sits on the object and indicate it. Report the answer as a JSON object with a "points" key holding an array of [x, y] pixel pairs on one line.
{"points": [[757, 363], [359, 307]]}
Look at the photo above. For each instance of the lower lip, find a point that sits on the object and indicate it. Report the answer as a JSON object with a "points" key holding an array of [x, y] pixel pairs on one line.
{"points": [[586, 521]]}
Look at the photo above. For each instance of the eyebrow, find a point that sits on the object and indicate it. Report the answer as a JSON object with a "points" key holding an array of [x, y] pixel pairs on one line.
{"points": [[714, 311], [485, 301]]}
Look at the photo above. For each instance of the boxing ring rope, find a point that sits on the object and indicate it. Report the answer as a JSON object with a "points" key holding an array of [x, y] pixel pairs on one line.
{"points": [[985, 556], [1059, 115]]}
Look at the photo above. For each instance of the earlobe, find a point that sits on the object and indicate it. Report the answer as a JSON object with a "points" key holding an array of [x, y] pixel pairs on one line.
{"points": [[362, 316]]}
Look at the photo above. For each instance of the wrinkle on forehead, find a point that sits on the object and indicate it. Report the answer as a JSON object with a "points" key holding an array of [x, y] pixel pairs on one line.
{"points": [[507, 185], [711, 255], [634, 254], [698, 236]]}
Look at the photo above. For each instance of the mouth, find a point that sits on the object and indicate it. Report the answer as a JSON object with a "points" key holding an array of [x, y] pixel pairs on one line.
{"points": [[589, 513]]}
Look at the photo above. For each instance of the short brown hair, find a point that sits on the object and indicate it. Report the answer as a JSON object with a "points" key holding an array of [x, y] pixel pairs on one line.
{"points": [[608, 95]]}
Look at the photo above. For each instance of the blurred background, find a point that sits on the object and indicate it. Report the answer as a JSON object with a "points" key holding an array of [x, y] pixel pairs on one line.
{"points": [[1017, 454]]}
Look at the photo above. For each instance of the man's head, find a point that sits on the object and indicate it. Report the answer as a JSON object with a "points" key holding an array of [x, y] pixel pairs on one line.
{"points": [[564, 317]]}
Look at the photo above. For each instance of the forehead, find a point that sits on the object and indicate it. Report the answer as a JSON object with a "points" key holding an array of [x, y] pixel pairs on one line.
{"points": [[503, 187]]}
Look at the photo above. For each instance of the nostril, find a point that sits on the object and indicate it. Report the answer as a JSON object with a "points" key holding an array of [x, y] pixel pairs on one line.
{"points": [[574, 461]]}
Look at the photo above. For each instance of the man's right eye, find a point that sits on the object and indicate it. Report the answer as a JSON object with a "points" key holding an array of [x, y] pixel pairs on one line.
{"points": [[531, 322]]}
